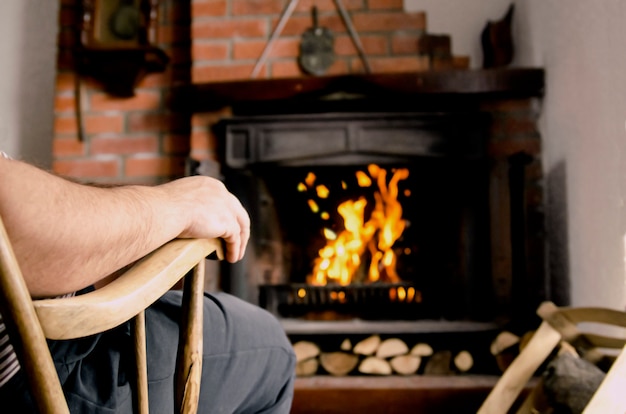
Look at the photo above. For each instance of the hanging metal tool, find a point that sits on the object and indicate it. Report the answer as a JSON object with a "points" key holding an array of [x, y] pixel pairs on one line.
{"points": [[286, 14], [316, 48]]}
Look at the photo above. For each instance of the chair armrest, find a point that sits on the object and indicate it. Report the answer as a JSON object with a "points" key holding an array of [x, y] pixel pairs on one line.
{"points": [[133, 291]]}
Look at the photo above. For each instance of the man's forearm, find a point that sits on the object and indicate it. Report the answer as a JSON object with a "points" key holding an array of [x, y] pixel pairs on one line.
{"points": [[67, 236]]}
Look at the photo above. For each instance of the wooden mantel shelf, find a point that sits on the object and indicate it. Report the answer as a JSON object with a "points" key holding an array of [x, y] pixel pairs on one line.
{"points": [[501, 82]]}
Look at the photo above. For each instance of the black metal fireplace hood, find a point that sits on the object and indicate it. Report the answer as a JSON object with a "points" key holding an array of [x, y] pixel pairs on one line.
{"points": [[350, 138]]}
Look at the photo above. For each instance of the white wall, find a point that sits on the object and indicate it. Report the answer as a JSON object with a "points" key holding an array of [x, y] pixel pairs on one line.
{"points": [[582, 46], [464, 20], [28, 37]]}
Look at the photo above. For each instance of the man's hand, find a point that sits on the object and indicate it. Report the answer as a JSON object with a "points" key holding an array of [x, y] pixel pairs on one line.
{"points": [[211, 211]]}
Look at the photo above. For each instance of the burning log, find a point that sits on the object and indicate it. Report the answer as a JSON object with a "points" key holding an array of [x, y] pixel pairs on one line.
{"points": [[405, 364], [375, 365], [338, 363]]}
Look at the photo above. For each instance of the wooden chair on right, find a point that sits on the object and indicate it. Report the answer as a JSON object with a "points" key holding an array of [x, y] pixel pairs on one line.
{"points": [[592, 333]]}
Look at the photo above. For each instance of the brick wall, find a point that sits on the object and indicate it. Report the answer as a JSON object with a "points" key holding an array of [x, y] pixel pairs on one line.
{"points": [[133, 140], [140, 139]]}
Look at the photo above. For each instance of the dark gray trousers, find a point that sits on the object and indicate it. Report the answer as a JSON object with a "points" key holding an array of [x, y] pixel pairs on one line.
{"points": [[248, 364]]}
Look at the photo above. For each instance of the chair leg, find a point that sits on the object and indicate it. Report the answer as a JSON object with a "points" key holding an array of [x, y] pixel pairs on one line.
{"points": [[189, 365], [139, 339], [21, 319]]}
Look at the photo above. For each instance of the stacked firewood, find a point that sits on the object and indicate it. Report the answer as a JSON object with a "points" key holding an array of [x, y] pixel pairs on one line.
{"points": [[376, 356]]}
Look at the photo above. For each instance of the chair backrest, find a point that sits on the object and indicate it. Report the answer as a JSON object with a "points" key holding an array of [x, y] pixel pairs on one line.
{"points": [[32, 321], [580, 327]]}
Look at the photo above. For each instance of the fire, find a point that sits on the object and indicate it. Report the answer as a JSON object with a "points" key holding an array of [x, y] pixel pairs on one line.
{"points": [[340, 260]]}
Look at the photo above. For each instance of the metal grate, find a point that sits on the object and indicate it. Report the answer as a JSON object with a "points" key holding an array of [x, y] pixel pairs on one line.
{"points": [[366, 301]]}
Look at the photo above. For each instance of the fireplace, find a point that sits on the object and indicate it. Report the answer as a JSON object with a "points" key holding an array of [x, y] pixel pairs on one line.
{"points": [[440, 253], [469, 259]]}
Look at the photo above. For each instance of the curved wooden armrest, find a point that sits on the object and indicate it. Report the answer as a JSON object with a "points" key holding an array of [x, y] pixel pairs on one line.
{"points": [[119, 301]]}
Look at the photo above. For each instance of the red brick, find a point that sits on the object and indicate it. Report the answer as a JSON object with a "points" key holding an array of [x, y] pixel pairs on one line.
{"points": [[372, 45], [124, 145], [66, 147], [373, 22], [253, 49], [385, 4], [65, 125], [154, 166], [85, 168], [64, 103], [209, 51], [404, 44], [65, 81], [327, 5], [97, 124], [256, 7], [143, 100], [157, 122], [298, 24], [204, 140], [215, 73], [394, 64], [208, 8], [285, 69], [229, 29]]}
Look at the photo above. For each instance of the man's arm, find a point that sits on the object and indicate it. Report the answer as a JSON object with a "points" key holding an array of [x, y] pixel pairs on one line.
{"points": [[67, 236]]}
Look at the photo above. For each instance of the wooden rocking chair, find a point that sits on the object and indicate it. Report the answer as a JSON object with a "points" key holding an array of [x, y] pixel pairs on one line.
{"points": [[574, 327], [32, 321]]}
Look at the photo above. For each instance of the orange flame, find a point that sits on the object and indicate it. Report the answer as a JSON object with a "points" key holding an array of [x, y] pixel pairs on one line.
{"points": [[340, 260]]}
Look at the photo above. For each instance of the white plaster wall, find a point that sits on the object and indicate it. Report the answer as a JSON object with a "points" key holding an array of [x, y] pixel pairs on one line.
{"points": [[582, 46], [28, 37], [464, 20]]}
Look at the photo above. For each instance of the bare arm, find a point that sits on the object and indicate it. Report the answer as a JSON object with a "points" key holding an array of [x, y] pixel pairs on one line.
{"points": [[67, 236]]}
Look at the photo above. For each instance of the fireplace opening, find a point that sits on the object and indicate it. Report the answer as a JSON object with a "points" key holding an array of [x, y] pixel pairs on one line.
{"points": [[439, 255], [295, 173]]}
